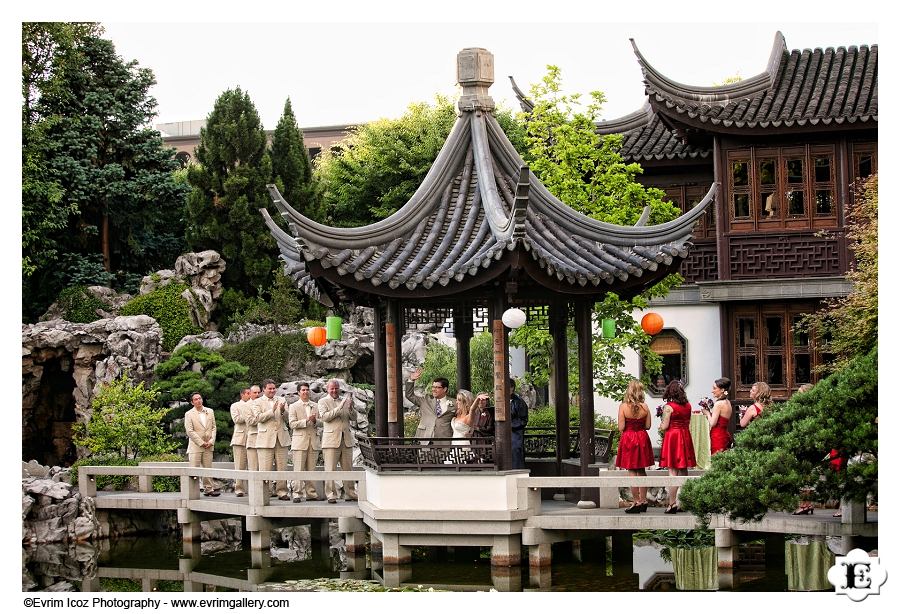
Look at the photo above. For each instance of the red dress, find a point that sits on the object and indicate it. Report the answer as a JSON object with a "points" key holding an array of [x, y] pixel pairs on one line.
{"points": [[677, 448], [635, 450], [719, 437]]}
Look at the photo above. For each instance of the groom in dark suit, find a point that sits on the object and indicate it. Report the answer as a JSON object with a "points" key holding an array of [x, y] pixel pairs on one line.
{"points": [[435, 410]]}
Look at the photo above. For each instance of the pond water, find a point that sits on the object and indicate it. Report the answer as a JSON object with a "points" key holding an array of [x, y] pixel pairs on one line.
{"points": [[159, 563]]}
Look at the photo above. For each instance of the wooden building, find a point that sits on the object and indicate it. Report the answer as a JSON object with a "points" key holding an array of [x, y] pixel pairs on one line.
{"points": [[786, 146]]}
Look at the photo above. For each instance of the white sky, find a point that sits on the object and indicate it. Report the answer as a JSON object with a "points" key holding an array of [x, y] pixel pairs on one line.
{"points": [[340, 73]]}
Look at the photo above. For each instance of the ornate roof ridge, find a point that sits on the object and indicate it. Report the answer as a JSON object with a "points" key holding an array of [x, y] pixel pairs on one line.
{"points": [[716, 93]]}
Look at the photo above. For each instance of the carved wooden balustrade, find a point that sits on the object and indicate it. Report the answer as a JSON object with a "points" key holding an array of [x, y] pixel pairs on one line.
{"points": [[437, 453]]}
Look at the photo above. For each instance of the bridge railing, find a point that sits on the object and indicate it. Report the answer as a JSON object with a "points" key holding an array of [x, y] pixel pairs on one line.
{"points": [[190, 478], [608, 483]]}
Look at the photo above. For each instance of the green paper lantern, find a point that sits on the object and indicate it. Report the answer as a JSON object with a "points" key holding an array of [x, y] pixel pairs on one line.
{"points": [[609, 329], [333, 328]]}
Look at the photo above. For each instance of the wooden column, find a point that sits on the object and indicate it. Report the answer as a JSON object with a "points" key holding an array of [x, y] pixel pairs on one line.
{"points": [[394, 371], [585, 393], [559, 352], [380, 366], [502, 423], [462, 330]]}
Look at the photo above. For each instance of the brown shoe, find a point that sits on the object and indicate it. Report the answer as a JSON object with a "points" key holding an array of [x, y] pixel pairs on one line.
{"points": [[284, 498], [238, 494], [214, 493], [332, 500]]}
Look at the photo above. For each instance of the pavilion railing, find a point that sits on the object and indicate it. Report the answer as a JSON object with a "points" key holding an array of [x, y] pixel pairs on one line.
{"points": [[437, 453], [540, 442]]}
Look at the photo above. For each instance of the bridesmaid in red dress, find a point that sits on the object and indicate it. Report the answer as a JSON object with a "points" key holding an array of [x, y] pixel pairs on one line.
{"points": [[762, 399], [719, 416], [635, 450], [677, 452]]}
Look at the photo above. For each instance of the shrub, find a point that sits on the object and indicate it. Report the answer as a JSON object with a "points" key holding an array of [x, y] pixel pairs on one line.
{"points": [[268, 355], [169, 308], [126, 421], [116, 482], [545, 417], [193, 368], [79, 305], [165, 483], [440, 361]]}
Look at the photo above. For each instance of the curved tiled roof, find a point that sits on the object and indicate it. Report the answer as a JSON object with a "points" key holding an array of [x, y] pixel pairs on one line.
{"points": [[807, 88], [479, 212], [645, 137]]}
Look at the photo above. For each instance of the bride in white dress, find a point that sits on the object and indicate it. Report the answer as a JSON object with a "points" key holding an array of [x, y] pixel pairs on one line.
{"points": [[462, 421]]}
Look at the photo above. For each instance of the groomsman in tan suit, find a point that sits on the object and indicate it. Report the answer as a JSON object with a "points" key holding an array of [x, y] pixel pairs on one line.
{"points": [[337, 438], [200, 425], [249, 412], [272, 436], [239, 439], [303, 416]]}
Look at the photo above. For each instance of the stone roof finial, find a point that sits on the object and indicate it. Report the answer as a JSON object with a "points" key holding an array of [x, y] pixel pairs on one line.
{"points": [[475, 73]]}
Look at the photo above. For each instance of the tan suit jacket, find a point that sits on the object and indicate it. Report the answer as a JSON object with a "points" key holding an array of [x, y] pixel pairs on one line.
{"points": [[239, 438], [336, 419], [430, 424], [271, 424], [248, 411], [303, 430], [198, 433]]}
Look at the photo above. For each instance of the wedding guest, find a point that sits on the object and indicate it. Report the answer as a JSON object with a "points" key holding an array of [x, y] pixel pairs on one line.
{"points": [[719, 416], [761, 395], [635, 450], [677, 454]]}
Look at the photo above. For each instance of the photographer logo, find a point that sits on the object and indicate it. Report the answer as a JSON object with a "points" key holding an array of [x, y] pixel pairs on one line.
{"points": [[857, 575]]}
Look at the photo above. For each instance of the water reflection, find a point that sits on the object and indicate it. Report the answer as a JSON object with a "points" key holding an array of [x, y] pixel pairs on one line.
{"points": [[806, 565], [160, 563]]}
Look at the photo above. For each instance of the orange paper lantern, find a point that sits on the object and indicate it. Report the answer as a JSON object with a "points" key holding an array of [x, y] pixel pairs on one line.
{"points": [[317, 336], [652, 323]]}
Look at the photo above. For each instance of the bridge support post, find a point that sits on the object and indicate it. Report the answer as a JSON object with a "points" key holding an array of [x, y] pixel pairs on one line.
{"points": [[392, 552], [260, 532], [354, 531], [190, 525], [622, 548], [395, 575], [506, 551], [725, 541], [540, 555], [506, 579]]}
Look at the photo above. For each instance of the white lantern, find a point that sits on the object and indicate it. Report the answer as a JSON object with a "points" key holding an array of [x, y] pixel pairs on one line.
{"points": [[513, 317]]}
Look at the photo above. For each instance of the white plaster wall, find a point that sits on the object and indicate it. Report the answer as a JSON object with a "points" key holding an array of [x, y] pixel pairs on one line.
{"points": [[473, 492], [699, 325]]}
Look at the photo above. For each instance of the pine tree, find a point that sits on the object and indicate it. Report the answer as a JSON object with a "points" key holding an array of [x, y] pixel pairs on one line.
{"points": [[229, 188], [291, 170], [100, 203]]}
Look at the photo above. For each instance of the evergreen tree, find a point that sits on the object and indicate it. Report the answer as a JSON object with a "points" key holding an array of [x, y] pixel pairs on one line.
{"points": [[291, 170], [229, 188], [99, 200]]}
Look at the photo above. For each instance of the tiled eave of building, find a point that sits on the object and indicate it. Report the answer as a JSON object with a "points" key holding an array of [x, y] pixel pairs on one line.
{"points": [[800, 91]]}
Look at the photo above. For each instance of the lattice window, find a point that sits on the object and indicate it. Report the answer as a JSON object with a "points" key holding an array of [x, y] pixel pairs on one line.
{"points": [[769, 347], [685, 197], [782, 187]]}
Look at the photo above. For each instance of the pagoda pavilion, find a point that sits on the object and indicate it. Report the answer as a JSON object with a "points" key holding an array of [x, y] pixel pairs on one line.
{"points": [[480, 235]]}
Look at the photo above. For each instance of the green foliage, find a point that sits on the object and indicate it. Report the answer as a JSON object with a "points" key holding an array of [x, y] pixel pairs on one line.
{"points": [[268, 355], [97, 181], [286, 305], [580, 167], [787, 449], [165, 483], [229, 188], [291, 170], [380, 165], [849, 324], [440, 361], [112, 482], [120, 585], [586, 171], [410, 424], [481, 358], [169, 309], [125, 421], [193, 368], [79, 305]]}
